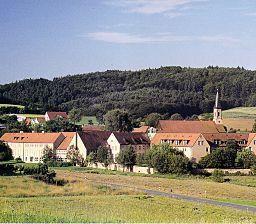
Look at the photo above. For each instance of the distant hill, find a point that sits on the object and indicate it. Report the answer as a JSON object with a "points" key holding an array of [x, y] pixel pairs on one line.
{"points": [[164, 90]]}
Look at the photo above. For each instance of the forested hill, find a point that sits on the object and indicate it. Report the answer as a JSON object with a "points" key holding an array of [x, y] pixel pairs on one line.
{"points": [[164, 90]]}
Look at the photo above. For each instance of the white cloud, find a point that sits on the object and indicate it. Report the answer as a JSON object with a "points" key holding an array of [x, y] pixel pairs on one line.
{"points": [[126, 38], [152, 6], [250, 14]]}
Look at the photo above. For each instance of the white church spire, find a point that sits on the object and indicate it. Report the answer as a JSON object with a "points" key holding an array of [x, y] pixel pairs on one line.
{"points": [[217, 113]]}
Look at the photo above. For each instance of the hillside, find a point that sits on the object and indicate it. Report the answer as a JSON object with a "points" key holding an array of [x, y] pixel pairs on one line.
{"points": [[240, 112], [165, 90]]}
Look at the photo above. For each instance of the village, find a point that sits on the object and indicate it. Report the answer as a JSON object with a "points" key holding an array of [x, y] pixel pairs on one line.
{"points": [[195, 138]]}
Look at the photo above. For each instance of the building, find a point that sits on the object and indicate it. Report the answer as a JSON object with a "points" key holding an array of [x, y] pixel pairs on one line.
{"points": [[220, 139], [53, 115], [217, 112], [118, 141], [251, 143], [184, 126], [194, 145], [149, 131], [30, 146]]}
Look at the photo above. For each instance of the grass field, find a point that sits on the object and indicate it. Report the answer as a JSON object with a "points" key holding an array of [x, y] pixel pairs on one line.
{"points": [[84, 199], [11, 105], [240, 112], [85, 120], [31, 115]]}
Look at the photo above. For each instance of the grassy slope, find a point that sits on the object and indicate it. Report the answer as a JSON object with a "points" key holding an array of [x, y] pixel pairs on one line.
{"points": [[25, 200], [240, 112], [11, 105], [85, 120]]}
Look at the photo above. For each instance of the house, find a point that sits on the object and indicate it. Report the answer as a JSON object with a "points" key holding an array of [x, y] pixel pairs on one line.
{"points": [[92, 140], [149, 131], [121, 140], [194, 145], [251, 143], [220, 139], [30, 146], [53, 115]]}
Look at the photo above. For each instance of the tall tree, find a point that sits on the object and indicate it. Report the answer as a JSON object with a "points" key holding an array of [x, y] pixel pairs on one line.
{"points": [[117, 120], [75, 115], [5, 152], [127, 157], [152, 119]]}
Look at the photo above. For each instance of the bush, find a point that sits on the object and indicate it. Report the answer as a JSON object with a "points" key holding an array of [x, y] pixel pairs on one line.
{"points": [[127, 157], [253, 170], [5, 152], [218, 176], [7, 169], [166, 159]]}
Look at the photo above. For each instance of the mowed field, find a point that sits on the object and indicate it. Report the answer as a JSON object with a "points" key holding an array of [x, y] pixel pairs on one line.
{"points": [[88, 198], [239, 118]]}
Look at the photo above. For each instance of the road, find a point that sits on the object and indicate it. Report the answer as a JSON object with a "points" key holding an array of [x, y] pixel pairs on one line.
{"points": [[184, 197]]}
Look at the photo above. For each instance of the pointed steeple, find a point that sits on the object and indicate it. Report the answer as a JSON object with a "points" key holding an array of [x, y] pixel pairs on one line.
{"points": [[217, 105]]}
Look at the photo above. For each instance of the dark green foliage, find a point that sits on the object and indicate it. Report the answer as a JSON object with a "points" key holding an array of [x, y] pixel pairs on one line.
{"points": [[127, 157], [117, 120], [152, 119], [60, 125], [218, 176], [75, 115], [245, 159], [169, 90], [141, 159], [166, 159], [7, 169], [104, 155], [5, 152]]}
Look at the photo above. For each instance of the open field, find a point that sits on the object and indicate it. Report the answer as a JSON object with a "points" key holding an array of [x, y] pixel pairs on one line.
{"points": [[31, 115], [23, 199], [11, 105], [240, 112], [85, 120], [199, 187]]}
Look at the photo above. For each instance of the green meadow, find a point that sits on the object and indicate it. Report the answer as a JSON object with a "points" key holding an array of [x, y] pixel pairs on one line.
{"points": [[87, 198], [11, 105]]}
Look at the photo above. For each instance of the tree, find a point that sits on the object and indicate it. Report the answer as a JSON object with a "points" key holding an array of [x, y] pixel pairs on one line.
{"points": [[127, 157], [176, 117], [246, 159], [49, 155], [117, 120], [59, 125], [5, 152], [74, 156], [166, 159], [104, 155], [75, 115], [152, 119]]}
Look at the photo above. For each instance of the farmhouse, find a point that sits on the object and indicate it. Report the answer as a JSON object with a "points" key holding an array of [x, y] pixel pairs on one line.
{"points": [[121, 140], [194, 145], [53, 115], [149, 131], [30, 146]]}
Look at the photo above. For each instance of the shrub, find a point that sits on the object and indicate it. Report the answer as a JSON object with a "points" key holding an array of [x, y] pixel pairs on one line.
{"points": [[127, 157], [166, 159], [218, 176], [253, 170], [7, 169], [5, 152]]}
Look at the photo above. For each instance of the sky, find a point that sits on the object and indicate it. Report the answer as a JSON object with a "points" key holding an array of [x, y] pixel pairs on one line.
{"points": [[52, 38]]}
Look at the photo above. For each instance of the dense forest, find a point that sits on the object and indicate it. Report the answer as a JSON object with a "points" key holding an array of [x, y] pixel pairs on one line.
{"points": [[165, 90]]}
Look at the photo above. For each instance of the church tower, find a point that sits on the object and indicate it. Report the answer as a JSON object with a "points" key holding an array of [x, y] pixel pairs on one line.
{"points": [[217, 113]]}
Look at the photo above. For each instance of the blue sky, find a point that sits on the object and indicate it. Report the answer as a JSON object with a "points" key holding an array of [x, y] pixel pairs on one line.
{"points": [[44, 38]]}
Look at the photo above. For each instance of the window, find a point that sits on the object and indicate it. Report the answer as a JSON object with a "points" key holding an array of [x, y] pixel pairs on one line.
{"points": [[200, 142], [177, 142], [207, 149], [36, 159], [31, 159], [26, 158], [254, 142]]}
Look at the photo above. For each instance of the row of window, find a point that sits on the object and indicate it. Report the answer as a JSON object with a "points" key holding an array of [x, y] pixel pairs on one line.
{"points": [[176, 142]]}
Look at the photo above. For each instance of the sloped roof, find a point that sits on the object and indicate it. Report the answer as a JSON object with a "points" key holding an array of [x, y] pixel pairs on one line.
{"points": [[93, 139], [224, 137], [66, 142], [93, 128], [142, 129], [250, 138], [54, 115], [184, 126], [30, 137], [131, 138], [190, 137]]}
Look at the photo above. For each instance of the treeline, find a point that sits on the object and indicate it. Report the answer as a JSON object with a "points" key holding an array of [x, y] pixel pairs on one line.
{"points": [[164, 90]]}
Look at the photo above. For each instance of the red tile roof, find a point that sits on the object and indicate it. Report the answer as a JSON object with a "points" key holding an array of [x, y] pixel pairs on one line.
{"points": [[93, 128], [66, 142], [54, 115], [173, 137], [184, 126], [30, 137], [240, 138], [142, 129]]}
